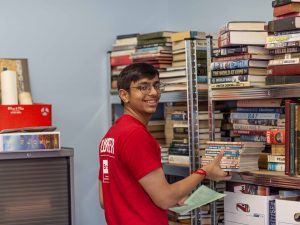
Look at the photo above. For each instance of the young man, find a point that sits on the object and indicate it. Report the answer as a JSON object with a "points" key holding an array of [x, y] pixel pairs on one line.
{"points": [[133, 189]]}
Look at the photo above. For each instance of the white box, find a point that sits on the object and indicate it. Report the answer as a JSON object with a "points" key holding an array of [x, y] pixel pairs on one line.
{"points": [[287, 212], [246, 209]]}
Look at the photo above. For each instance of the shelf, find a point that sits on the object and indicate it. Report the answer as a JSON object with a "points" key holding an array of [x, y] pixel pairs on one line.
{"points": [[176, 170], [274, 91], [267, 178]]}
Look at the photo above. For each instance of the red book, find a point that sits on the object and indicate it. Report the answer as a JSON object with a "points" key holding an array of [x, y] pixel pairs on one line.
{"points": [[286, 9], [288, 69], [120, 60]]}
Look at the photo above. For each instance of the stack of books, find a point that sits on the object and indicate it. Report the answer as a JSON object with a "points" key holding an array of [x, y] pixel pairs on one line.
{"points": [[154, 48], [175, 76], [238, 156], [284, 43], [157, 129], [253, 118], [240, 60], [122, 49]]}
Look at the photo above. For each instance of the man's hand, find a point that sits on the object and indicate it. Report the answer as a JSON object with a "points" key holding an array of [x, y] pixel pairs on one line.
{"points": [[214, 171]]}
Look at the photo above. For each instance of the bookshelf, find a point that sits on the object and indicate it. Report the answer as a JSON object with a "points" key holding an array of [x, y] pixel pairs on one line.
{"points": [[260, 177]]}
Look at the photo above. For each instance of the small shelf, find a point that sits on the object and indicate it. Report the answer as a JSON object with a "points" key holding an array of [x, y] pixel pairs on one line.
{"points": [[274, 91], [267, 178], [176, 170]]}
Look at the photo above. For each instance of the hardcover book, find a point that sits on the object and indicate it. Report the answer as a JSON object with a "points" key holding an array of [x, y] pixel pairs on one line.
{"points": [[243, 25]]}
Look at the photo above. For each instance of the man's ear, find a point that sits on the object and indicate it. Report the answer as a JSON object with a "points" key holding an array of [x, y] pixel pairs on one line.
{"points": [[124, 95]]}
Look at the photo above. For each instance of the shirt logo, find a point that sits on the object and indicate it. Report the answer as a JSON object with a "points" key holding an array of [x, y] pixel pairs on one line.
{"points": [[105, 171], [107, 146]]}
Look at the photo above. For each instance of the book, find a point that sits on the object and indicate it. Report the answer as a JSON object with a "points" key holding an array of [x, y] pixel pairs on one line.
{"points": [[178, 36], [286, 9], [275, 136], [286, 50], [259, 103], [231, 85], [288, 69], [277, 3], [239, 64], [242, 38], [274, 166], [290, 23], [30, 141], [241, 71], [243, 25], [279, 80], [237, 78], [155, 35], [220, 52], [243, 57], [276, 158]]}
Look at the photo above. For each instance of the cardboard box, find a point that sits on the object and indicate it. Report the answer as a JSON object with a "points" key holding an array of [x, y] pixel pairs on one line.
{"points": [[246, 209], [19, 116], [287, 212]]}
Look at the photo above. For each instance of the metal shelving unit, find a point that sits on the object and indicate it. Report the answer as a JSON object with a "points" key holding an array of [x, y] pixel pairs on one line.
{"points": [[262, 177]]}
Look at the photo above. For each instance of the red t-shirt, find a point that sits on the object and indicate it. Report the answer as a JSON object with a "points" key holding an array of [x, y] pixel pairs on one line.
{"points": [[127, 153]]}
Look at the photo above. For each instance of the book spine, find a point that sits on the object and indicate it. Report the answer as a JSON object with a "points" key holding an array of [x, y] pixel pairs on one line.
{"points": [[230, 65], [259, 110], [283, 10], [283, 61], [283, 38], [275, 80], [282, 44], [232, 58], [120, 60], [276, 136], [277, 3], [272, 166], [231, 85], [181, 130], [287, 50], [282, 24], [259, 103], [226, 79], [179, 159], [249, 132], [261, 116], [265, 122], [251, 127], [230, 72], [297, 139], [179, 151], [219, 52], [287, 136], [292, 138], [293, 69], [258, 138], [276, 158]]}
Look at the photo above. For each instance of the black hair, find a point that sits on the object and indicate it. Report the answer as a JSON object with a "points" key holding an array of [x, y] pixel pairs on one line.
{"points": [[135, 72]]}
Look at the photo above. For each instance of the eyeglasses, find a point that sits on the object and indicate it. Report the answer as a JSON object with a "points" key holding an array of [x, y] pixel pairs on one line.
{"points": [[145, 88]]}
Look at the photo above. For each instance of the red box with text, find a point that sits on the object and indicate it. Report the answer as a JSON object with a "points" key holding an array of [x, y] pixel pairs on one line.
{"points": [[20, 116]]}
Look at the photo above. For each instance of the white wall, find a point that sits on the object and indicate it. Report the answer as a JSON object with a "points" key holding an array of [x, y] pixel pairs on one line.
{"points": [[66, 41], [210, 15]]}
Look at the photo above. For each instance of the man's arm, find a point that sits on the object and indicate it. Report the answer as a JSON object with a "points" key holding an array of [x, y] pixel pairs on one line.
{"points": [[101, 195], [166, 195]]}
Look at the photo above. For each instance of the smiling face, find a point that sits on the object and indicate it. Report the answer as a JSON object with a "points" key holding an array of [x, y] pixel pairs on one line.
{"points": [[141, 100]]}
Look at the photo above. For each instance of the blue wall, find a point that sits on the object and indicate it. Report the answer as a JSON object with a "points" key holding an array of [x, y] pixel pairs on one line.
{"points": [[66, 42]]}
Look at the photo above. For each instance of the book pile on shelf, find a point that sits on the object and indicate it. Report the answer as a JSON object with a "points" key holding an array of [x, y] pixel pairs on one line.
{"points": [[122, 49], [253, 118], [238, 156], [276, 138], [284, 43], [154, 48], [157, 129], [204, 128], [179, 147], [240, 60], [175, 76]]}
